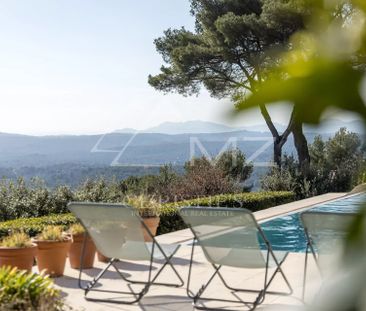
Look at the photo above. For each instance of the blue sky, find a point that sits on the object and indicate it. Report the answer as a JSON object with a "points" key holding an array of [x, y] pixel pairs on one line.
{"points": [[81, 66]]}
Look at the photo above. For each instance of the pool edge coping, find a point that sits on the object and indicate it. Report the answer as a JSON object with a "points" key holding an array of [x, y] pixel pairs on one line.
{"points": [[285, 209]]}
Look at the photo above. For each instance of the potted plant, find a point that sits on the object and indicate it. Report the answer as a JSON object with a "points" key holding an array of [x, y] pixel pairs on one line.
{"points": [[149, 210], [17, 250], [77, 233], [53, 245]]}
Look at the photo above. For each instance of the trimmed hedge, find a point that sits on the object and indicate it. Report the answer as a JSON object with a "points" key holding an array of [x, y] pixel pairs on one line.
{"points": [[35, 225], [169, 219], [255, 201]]}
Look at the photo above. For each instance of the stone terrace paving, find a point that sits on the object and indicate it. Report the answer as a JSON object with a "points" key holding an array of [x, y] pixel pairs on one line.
{"points": [[162, 298]]}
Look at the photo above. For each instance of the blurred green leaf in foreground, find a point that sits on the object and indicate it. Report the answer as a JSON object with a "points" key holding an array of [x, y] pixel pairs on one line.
{"points": [[325, 66]]}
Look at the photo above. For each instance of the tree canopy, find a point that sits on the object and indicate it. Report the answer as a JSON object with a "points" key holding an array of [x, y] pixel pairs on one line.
{"points": [[227, 52], [230, 52]]}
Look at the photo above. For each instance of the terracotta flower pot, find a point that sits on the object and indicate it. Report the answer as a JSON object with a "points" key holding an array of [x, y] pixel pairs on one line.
{"points": [[102, 258], [21, 258], [75, 251], [51, 256], [152, 223]]}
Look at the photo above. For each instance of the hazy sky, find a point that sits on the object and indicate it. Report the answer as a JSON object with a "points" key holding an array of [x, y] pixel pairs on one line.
{"points": [[81, 66]]}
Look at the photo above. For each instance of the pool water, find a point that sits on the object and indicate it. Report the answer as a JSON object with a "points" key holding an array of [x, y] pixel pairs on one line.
{"points": [[286, 232]]}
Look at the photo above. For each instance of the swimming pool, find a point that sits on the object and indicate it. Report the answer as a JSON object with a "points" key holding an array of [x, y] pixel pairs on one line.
{"points": [[286, 233]]}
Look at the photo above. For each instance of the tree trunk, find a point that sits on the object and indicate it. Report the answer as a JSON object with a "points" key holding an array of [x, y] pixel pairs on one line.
{"points": [[301, 146], [277, 151], [278, 140]]}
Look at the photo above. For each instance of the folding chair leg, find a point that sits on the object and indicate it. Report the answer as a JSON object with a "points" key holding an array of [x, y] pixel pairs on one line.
{"points": [[309, 249], [305, 272], [204, 287], [198, 296], [138, 295], [91, 285], [180, 284], [168, 262], [266, 285], [261, 293], [188, 291], [279, 270]]}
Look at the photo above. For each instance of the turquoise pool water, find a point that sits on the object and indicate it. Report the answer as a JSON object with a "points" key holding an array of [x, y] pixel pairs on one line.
{"points": [[286, 233]]}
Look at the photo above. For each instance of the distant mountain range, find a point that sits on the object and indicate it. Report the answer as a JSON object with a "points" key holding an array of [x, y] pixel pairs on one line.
{"points": [[117, 148], [188, 127], [166, 143], [173, 128], [72, 159], [69, 159]]}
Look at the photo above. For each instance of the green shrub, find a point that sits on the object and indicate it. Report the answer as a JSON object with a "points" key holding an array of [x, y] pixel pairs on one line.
{"points": [[253, 201], [28, 291], [170, 220], [278, 180], [336, 166], [32, 199], [201, 179], [34, 226], [100, 190]]}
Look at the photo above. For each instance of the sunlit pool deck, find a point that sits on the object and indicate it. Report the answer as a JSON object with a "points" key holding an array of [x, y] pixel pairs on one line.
{"points": [[165, 298]]}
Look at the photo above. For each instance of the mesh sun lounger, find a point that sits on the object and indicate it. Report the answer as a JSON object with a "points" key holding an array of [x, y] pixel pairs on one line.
{"points": [[325, 233], [229, 237], [117, 231]]}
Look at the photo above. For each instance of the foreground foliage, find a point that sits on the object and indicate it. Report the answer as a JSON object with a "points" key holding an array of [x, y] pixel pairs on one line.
{"points": [[27, 292], [326, 69]]}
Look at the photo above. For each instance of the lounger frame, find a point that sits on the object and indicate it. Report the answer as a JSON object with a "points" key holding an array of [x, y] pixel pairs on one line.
{"points": [[310, 245], [151, 280], [267, 280]]}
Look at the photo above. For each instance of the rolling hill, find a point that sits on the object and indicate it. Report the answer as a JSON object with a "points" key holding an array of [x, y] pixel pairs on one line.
{"points": [[72, 158]]}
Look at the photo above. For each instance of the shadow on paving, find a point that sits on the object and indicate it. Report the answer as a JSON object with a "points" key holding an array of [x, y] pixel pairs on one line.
{"points": [[166, 303]]}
